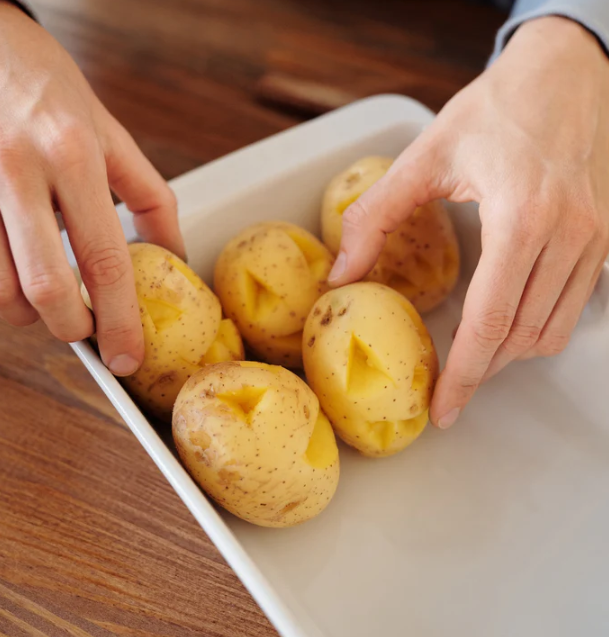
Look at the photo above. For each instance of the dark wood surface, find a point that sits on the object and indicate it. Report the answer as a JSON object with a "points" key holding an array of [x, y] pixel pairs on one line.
{"points": [[93, 541]]}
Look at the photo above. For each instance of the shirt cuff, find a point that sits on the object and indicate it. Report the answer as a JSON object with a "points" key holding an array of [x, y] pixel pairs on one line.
{"points": [[593, 15], [23, 7]]}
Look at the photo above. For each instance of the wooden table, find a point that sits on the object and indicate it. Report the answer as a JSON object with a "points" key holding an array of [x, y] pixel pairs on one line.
{"points": [[93, 541]]}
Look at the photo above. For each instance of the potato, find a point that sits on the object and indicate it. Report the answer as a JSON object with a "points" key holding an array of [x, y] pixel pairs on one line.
{"points": [[227, 345], [343, 190], [420, 259], [255, 439], [268, 278], [373, 366], [183, 328]]}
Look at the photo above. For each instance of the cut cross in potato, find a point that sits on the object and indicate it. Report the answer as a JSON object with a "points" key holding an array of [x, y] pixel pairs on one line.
{"points": [[161, 313], [322, 450], [226, 347], [412, 427], [244, 402], [313, 252], [383, 433], [184, 270], [372, 364], [420, 377], [254, 437], [267, 278], [365, 373], [261, 300]]}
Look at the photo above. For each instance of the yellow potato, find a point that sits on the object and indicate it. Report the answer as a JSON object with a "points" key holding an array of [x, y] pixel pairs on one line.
{"points": [[373, 366], [183, 328], [255, 439], [268, 278], [420, 259], [343, 190], [227, 345]]}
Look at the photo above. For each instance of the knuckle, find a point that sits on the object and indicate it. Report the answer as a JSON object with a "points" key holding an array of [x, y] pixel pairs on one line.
{"points": [[602, 232], [169, 200], [356, 214], [105, 266], [46, 289], [467, 386], [14, 153], [584, 227], [74, 333], [10, 290], [492, 328], [69, 143], [129, 336], [528, 233], [22, 319], [552, 343], [165, 200], [9, 150], [522, 337]]}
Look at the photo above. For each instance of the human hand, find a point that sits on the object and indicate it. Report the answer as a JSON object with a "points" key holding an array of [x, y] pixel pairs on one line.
{"points": [[60, 149], [529, 141]]}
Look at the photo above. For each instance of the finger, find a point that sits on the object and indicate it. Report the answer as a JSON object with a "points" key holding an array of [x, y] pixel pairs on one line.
{"points": [[46, 279], [557, 331], [414, 179], [490, 306], [544, 287], [14, 307], [101, 251], [134, 179], [592, 287]]}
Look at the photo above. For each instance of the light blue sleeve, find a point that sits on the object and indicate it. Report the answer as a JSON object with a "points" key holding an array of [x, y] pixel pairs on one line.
{"points": [[591, 14]]}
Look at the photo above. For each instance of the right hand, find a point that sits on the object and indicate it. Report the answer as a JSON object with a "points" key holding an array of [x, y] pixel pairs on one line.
{"points": [[530, 143], [60, 148]]}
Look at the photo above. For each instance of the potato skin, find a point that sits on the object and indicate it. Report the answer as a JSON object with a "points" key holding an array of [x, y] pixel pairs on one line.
{"points": [[267, 279], [420, 259], [254, 438], [373, 366], [182, 320], [343, 190]]}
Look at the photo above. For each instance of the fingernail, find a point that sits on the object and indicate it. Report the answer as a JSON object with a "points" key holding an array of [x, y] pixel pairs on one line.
{"points": [[340, 265], [123, 365], [449, 419]]}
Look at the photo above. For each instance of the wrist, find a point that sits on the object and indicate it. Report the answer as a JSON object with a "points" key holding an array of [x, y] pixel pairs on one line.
{"points": [[554, 34], [554, 44]]}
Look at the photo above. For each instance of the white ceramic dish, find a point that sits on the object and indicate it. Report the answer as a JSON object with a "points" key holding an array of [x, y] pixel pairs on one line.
{"points": [[496, 528]]}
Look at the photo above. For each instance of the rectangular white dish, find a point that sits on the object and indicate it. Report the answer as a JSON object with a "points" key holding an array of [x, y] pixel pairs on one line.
{"points": [[498, 527]]}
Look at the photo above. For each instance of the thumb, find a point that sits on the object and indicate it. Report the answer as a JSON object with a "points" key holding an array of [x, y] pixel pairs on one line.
{"points": [[413, 180], [135, 180]]}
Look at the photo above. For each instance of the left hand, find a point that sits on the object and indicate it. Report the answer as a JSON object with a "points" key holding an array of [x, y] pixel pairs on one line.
{"points": [[529, 141]]}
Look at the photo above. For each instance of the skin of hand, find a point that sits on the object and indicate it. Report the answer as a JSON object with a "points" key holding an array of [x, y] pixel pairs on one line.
{"points": [[529, 141], [60, 150]]}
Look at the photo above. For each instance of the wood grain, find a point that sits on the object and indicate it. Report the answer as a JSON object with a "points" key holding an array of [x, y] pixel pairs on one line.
{"points": [[93, 541]]}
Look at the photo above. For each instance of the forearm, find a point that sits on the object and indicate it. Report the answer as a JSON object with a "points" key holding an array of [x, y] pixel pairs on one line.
{"points": [[591, 14]]}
